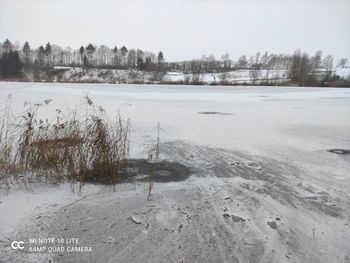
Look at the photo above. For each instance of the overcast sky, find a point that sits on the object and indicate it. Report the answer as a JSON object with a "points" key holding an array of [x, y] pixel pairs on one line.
{"points": [[183, 29]]}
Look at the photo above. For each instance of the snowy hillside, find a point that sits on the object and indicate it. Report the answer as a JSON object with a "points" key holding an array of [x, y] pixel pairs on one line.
{"points": [[237, 76], [78, 74], [246, 76]]}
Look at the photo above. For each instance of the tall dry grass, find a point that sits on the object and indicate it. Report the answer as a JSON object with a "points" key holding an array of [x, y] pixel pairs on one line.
{"points": [[76, 145]]}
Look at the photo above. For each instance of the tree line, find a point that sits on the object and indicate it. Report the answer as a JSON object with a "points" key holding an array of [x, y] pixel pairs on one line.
{"points": [[14, 58], [300, 66]]}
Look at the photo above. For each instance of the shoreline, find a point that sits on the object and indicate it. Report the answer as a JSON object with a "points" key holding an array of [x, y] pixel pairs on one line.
{"points": [[174, 83]]}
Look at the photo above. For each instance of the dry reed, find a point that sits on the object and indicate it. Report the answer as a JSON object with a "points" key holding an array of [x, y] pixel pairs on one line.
{"points": [[74, 146]]}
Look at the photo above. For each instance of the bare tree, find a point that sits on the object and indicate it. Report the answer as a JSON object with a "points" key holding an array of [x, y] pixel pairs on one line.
{"points": [[254, 73], [242, 62], [327, 64], [225, 78], [196, 71], [300, 68], [226, 60]]}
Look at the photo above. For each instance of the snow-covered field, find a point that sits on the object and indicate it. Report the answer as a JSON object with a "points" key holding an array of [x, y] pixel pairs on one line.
{"points": [[264, 187], [237, 76]]}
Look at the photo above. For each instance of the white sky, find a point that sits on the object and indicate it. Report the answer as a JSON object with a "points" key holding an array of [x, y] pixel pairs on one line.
{"points": [[183, 29]]}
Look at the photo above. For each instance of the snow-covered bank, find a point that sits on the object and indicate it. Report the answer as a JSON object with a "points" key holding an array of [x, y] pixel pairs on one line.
{"points": [[17, 204], [240, 208], [233, 77], [257, 154]]}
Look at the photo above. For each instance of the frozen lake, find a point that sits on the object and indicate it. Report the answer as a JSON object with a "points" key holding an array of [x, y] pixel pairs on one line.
{"points": [[178, 92], [278, 140], [277, 121]]}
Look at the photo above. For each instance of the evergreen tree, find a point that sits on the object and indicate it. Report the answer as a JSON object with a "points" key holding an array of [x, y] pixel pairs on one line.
{"points": [[124, 50], [11, 65], [85, 61], [90, 50], [140, 63], [115, 57], [26, 53], [41, 55], [48, 51], [81, 52], [160, 57], [7, 45]]}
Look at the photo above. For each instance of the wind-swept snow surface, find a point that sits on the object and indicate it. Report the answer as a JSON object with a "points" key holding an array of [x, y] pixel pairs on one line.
{"points": [[269, 179]]}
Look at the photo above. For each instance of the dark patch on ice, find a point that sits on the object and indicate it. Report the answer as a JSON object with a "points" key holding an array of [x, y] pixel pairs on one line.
{"points": [[141, 170], [272, 224], [214, 113], [237, 219], [339, 151]]}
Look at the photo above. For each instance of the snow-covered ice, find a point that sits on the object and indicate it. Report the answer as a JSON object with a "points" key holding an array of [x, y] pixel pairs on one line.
{"points": [[268, 152]]}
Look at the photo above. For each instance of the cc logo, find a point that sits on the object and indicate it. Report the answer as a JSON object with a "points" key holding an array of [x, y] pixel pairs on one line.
{"points": [[17, 244]]}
